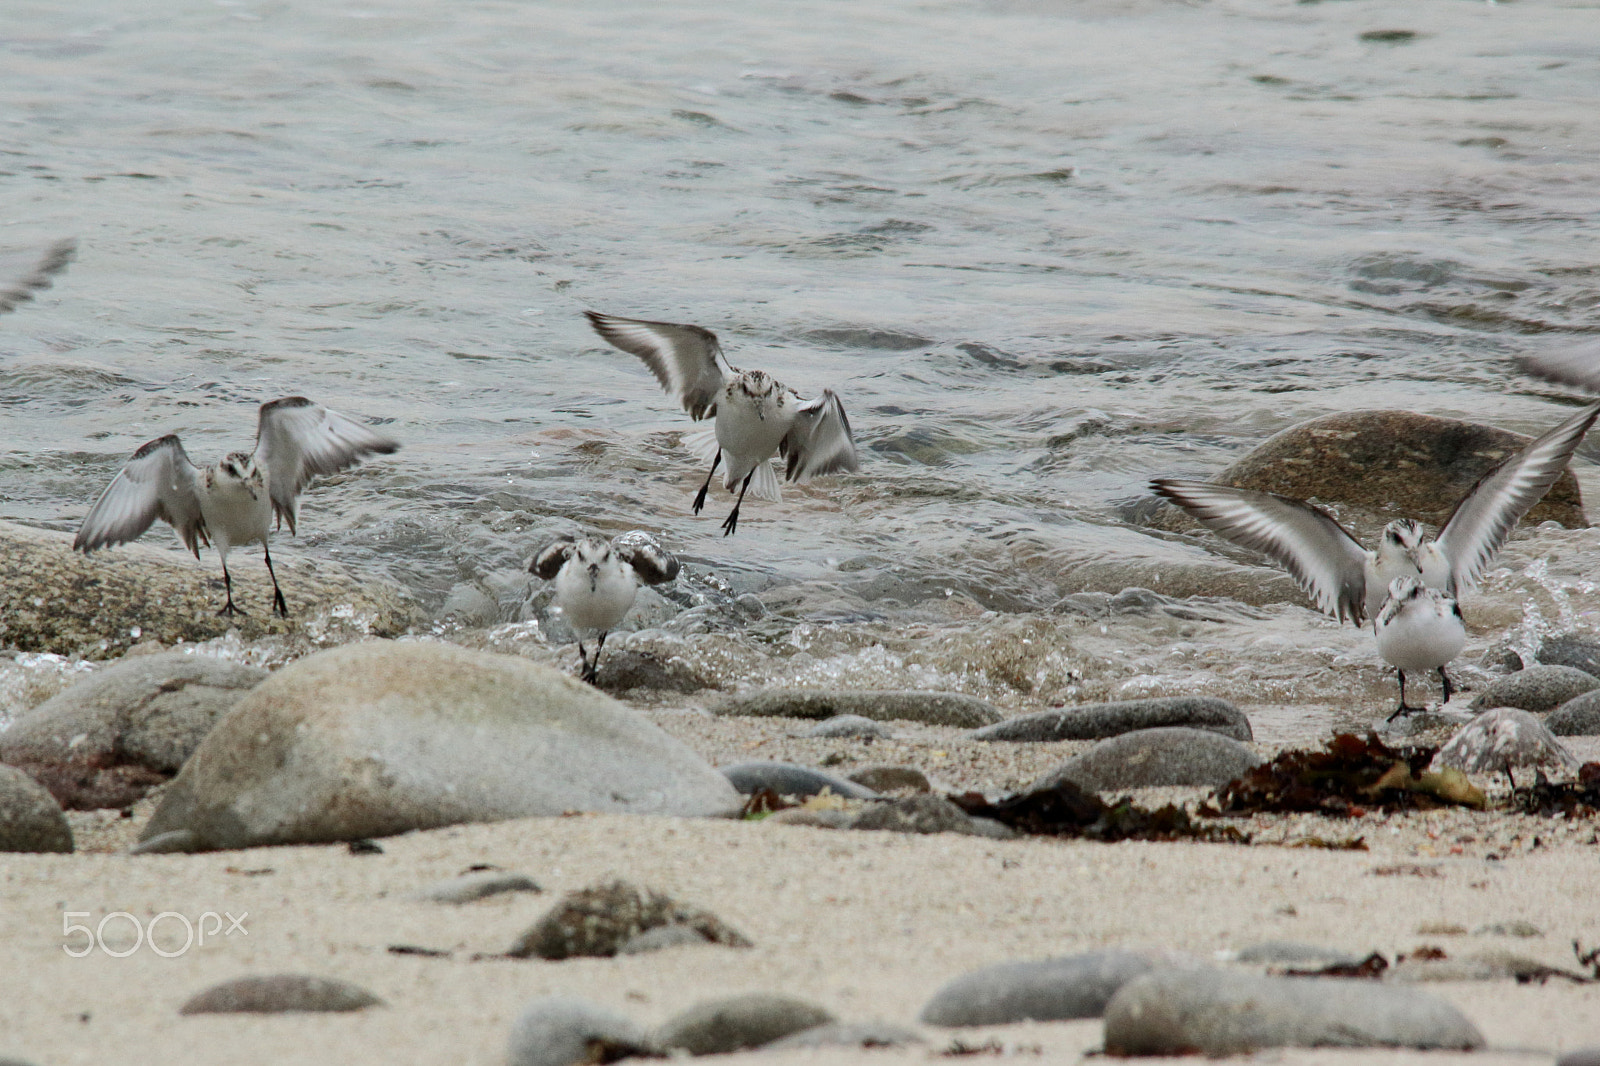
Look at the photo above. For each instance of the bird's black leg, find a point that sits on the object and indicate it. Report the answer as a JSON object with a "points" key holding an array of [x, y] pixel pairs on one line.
{"points": [[279, 604], [1449, 689], [1403, 708], [227, 583], [700, 497], [594, 664], [731, 523], [586, 668]]}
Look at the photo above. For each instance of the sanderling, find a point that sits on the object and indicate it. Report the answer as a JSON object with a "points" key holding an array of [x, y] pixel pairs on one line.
{"points": [[24, 271], [756, 416], [597, 580], [232, 502], [1503, 738], [1351, 583], [1419, 628]]}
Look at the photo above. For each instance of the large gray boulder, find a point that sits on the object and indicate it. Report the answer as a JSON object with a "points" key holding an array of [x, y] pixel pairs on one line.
{"points": [[1155, 758], [380, 738], [57, 600], [1215, 1013], [109, 739]]}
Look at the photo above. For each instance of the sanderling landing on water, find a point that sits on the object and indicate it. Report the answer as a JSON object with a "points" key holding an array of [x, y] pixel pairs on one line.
{"points": [[1351, 583], [1419, 628], [756, 416], [596, 581], [232, 502], [24, 271]]}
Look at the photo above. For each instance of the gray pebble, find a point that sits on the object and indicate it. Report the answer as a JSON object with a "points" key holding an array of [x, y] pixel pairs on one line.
{"points": [[849, 725], [1578, 717], [740, 1022], [848, 1034], [279, 993], [925, 813], [1215, 1013], [662, 937], [1570, 649], [933, 708], [476, 885], [790, 779], [1536, 688], [1075, 986], [892, 779], [1094, 721], [1155, 758], [30, 817], [558, 1031]]}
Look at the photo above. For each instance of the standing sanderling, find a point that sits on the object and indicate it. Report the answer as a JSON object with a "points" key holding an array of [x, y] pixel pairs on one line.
{"points": [[1351, 583], [234, 501], [1418, 628], [756, 416], [597, 580], [24, 271]]}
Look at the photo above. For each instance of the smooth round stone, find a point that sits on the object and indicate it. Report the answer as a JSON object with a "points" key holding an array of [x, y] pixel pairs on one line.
{"points": [[30, 818], [849, 725], [661, 938], [598, 921], [128, 727], [932, 708], [892, 779], [1536, 688], [1570, 649], [1578, 717], [1155, 758], [1504, 740], [279, 993], [1094, 721], [372, 739], [1292, 953], [791, 779], [848, 1034], [479, 884], [1216, 1013], [740, 1022], [1074, 986], [559, 1031], [925, 813]]}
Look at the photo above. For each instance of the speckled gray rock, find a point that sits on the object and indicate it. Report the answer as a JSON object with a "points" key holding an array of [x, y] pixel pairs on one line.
{"points": [[1212, 1012], [790, 779], [557, 1031], [1094, 721], [1074, 986], [598, 921], [57, 600], [1294, 954], [1388, 464], [628, 668], [279, 993], [891, 779], [476, 885], [849, 725], [1154, 758], [1536, 688], [379, 738], [933, 708], [848, 1034], [925, 813], [1578, 717], [129, 726], [30, 818], [1502, 741], [1571, 649], [739, 1022]]}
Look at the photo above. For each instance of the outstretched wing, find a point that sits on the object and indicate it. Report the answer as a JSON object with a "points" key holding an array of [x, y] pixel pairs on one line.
{"points": [[158, 482], [819, 442], [653, 563], [1578, 365], [24, 272], [1486, 515], [1323, 558], [683, 358], [552, 557], [296, 440]]}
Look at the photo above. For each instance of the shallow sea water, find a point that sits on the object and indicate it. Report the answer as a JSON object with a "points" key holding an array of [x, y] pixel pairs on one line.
{"points": [[1043, 250]]}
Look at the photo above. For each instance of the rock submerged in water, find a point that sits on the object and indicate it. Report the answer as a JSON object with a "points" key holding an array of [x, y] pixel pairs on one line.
{"points": [[1216, 1013], [1155, 758], [379, 738], [53, 599], [1095, 721], [1571, 649], [110, 738], [30, 818], [1049, 990], [932, 708], [1388, 464]]}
